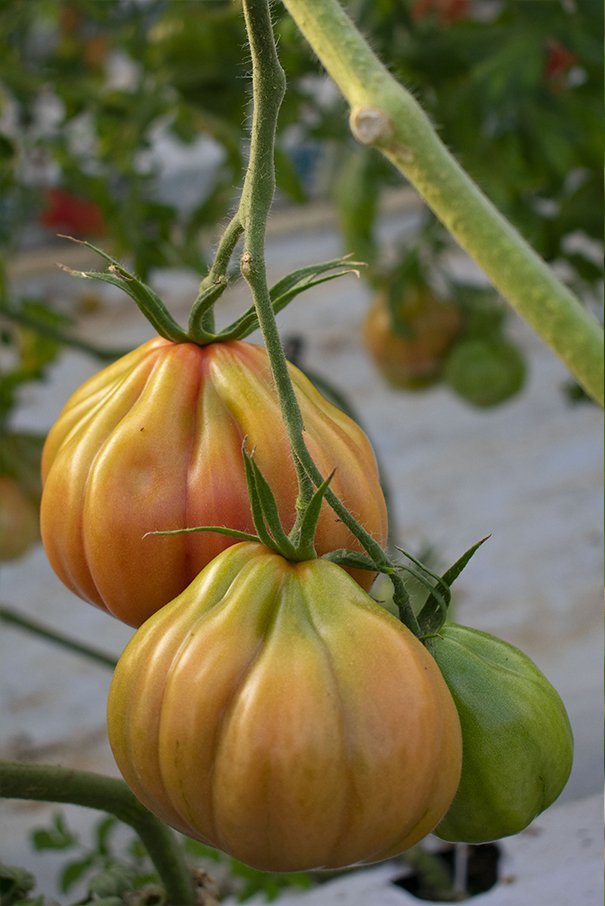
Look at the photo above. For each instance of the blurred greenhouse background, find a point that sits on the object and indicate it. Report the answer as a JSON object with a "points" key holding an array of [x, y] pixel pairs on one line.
{"points": [[125, 124]]}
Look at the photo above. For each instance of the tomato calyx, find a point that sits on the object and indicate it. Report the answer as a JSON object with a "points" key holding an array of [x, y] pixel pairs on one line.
{"points": [[199, 328], [434, 611], [298, 545]]}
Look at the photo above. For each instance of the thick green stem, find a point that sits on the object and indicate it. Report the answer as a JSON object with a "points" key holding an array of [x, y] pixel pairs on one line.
{"points": [[268, 86], [51, 783], [227, 244], [12, 618], [215, 277], [384, 114]]}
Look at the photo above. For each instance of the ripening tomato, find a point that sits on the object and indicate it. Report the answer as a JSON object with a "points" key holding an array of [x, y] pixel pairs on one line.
{"points": [[66, 211], [517, 741], [153, 442], [18, 520], [275, 711], [412, 359]]}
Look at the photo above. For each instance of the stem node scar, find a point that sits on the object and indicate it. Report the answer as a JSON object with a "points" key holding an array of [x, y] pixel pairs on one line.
{"points": [[246, 264], [370, 125]]}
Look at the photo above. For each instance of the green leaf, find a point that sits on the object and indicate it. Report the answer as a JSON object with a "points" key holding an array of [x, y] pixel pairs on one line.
{"points": [[15, 883], [73, 871], [114, 880], [103, 831], [146, 299], [57, 837]]}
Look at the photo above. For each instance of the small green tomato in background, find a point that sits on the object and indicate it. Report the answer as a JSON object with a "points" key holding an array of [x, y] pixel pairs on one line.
{"points": [[516, 737], [485, 371]]}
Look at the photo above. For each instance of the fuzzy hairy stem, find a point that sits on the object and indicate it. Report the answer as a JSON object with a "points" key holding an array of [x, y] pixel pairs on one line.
{"points": [[269, 86], [385, 115], [268, 83]]}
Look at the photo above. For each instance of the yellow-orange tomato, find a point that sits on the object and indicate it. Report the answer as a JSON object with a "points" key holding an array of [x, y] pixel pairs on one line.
{"points": [[275, 711], [153, 442], [415, 359]]}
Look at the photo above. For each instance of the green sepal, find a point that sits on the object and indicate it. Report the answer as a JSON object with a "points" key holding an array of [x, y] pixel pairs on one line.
{"points": [[220, 529], [451, 574], [286, 289], [401, 600], [255, 506], [306, 530], [146, 299], [264, 511], [202, 305], [433, 614], [304, 277], [440, 589], [350, 559]]}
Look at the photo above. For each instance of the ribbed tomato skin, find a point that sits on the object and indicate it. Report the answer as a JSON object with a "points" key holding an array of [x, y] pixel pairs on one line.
{"points": [[275, 711], [153, 442]]}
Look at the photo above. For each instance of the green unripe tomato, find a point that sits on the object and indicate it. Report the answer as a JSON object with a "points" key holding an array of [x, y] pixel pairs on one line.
{"points": [[517, 742], [485, 371]]}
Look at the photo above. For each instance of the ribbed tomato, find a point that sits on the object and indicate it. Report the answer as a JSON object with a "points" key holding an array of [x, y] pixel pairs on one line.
{"points": [[275, 711], [153, 442], [517, 741]]}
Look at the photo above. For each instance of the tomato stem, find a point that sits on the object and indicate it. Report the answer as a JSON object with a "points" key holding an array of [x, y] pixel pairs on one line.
{"points": [[12, 618], [268, 83], [269, 86], [52, 783], [387, 116], [201, 322]]}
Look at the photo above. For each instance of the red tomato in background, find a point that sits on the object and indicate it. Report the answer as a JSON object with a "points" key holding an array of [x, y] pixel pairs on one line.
{"points": [[446, 11], [275, 711], [153, 442], [65, 211]]}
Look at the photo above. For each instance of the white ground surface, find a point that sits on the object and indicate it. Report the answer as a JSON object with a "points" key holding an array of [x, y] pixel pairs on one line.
{"points": [[529, 472]]}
